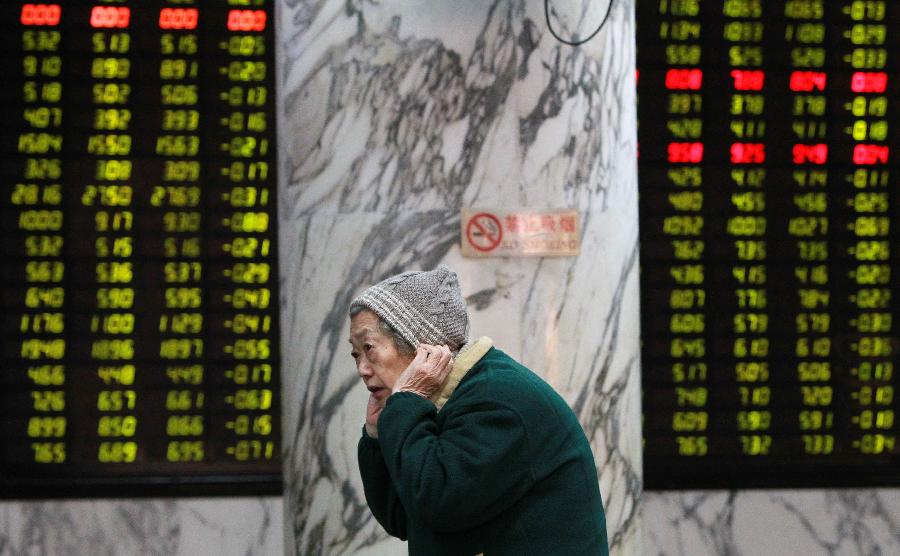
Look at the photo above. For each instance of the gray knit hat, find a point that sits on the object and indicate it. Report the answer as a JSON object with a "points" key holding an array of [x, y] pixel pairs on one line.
{"points": [[422, 306]]}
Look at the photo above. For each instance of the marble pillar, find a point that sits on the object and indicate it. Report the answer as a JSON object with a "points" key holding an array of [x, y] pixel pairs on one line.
{"points": [[395, 115]]}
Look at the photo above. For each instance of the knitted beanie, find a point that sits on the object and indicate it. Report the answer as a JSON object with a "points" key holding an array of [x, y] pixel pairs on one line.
{"points": [[422, 306]]}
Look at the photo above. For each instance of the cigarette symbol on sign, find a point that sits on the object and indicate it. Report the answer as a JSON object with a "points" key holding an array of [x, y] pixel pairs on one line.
{"points": [[484, 232]]}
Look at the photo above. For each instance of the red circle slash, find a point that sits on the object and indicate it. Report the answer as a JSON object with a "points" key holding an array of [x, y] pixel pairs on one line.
{"points": [[484, 232]]}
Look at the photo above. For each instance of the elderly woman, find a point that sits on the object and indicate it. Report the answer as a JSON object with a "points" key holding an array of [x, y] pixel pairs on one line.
{"points": [[464, 450]]}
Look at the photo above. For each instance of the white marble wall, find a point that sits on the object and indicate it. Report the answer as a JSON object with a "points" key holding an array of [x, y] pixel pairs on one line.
{"points": [[851, 522], [164, 527], [393, 116]]}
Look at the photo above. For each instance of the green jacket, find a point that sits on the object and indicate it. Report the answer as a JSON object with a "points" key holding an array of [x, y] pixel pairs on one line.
{"points": [[503, 468]]}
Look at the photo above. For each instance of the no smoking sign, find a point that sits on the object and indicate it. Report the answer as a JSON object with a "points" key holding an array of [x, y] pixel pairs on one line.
{"points": [[484, 232], [521, 233]]}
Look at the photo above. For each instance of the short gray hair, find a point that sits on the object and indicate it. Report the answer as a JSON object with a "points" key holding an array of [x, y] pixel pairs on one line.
{"points": [[404, 348]]}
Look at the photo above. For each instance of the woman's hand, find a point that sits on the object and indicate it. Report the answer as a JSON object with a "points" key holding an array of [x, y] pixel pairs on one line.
{"points": [[427, 371], [373, 410]]}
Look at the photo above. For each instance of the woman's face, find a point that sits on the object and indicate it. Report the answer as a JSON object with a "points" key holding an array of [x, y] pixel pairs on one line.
{"points": [[377, 360]]}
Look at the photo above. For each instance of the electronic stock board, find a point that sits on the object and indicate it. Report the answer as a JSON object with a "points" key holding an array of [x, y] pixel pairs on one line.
{"points": [[140, 330], [768, 139]]}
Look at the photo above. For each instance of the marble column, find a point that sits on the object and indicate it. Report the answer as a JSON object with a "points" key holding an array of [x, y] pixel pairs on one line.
{"points": [[395, 115]]}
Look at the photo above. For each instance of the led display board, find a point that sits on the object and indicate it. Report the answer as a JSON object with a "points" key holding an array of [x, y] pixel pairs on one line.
{"points": [[139, 279], [768, 137]]}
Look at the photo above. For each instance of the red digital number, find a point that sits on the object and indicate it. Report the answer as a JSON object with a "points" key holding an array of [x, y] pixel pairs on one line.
{"points": [[870, 154], [810, 154], [178, 18], [246, 20], [748, 80], [748, 153], [686, 152], [40, 14], [110, 17], [805, 81], [869, 82], [691, 79]]}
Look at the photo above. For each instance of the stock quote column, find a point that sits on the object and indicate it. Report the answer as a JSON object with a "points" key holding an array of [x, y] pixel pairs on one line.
{"points": [[678, 289], [35, 418], [741, 336], [767, 195], [244, 179], [868, 62], [139, 276], [807, 268]]}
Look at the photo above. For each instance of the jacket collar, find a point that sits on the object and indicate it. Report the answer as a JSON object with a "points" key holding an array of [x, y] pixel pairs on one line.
{"points": [[470, 354]]}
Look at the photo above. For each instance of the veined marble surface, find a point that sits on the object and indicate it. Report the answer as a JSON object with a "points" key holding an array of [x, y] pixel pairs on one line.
{"points": [[165, 527], [851, 522], [393, 116]]}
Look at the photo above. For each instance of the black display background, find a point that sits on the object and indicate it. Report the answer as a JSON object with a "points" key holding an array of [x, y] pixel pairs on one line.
{"points": [[218, 472], [786, 464]]}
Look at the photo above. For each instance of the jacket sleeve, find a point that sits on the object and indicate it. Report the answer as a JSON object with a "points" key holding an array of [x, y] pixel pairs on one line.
{"points": [[464, 475], [380, 493]]}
